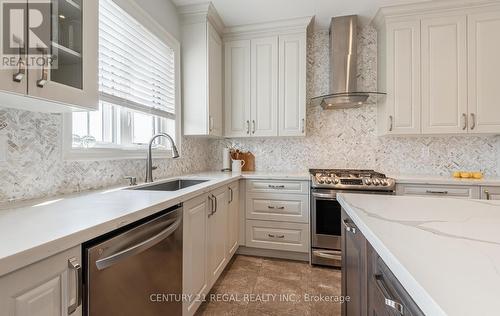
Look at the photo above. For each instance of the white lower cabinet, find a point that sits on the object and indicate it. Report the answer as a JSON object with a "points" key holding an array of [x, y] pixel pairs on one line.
{"points": [[277, 215], [217, 234], [278, 207], [51, 287], [455, 191], [195, 274], [210, 239], [233, 218], [277, 235], [490, 193]]}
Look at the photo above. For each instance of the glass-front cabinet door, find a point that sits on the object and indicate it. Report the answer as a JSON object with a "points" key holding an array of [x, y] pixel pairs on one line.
{"points": [[13, 71], [68, 73]]}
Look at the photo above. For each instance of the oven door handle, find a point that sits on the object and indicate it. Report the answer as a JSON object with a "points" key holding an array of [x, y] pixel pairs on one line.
{"points": [[332, 196], [327, 255]]}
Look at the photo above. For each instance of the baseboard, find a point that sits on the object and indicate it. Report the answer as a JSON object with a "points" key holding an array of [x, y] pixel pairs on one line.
{"points": [[290, 255]]}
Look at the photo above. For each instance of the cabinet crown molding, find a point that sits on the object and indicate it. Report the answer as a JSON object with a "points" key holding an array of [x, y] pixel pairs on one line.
{"points": [[195, 13], [421, 8], [288, 26]]}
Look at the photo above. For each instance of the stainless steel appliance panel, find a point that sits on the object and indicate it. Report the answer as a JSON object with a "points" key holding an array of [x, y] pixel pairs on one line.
{"points": [[125, 270]]}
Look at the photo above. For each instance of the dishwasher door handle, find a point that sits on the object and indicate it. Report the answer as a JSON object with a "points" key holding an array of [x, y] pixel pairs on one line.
{"points": [[138, 248]]}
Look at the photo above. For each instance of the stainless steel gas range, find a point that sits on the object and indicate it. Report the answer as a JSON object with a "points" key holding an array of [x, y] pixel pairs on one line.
{"points": [[326, 211]]}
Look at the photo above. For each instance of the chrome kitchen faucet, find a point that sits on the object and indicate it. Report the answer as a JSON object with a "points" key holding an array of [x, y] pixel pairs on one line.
{"points": [[149, 159]]}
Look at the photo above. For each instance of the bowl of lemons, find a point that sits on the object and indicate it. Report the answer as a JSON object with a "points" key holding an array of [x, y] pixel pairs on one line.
{"points": [[467, 174]]}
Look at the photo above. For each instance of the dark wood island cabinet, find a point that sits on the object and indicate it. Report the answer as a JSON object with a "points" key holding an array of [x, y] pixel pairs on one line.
{"points": [[370, 285]]}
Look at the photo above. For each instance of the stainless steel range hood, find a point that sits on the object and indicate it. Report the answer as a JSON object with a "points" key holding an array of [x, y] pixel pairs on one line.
{"points": [[343, 66]]}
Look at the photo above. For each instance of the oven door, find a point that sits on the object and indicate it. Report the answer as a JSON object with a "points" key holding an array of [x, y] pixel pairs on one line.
{"points": [[325, 219]]}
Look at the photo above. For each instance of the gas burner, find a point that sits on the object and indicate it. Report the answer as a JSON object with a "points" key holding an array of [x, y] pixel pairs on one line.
{"points": [[351, 179]]}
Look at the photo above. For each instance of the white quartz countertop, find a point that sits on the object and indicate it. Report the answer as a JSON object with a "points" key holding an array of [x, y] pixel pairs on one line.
{"points": [[34, 230], [445, 252]]}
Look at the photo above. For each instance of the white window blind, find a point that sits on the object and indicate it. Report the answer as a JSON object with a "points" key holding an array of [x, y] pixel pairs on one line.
{"points": [[136, 69]]}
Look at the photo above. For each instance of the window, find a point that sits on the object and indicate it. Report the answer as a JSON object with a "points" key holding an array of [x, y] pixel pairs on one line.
{"points": [[138, 73]]}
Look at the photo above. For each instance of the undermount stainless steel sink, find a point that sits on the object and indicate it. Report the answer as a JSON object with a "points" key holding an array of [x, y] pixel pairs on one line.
{"points": [[173, 185]]}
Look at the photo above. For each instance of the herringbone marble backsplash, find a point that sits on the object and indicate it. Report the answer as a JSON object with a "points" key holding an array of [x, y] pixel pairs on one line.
{"points": [[335, 139]]}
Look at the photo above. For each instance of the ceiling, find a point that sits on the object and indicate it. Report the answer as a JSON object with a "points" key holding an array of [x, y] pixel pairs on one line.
{"points": [[240, 12]]}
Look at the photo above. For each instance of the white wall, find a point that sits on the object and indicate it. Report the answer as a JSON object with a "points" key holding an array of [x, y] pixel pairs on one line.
{"points": [[162, 11], [165, 13]]}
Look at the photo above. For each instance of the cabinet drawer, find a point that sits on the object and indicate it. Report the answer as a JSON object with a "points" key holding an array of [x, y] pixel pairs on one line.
{"points": [[278, 207], [490, 193], [277, 235], [384, 289], [457, 191], [276, 186]]}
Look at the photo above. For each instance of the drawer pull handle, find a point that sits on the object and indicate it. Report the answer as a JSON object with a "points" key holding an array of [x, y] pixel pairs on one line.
{"points": [[436, 192], [388, 300], [276, 236], [272, 186], [74, 265], [350, 228], [275, 207], [487, 194]]}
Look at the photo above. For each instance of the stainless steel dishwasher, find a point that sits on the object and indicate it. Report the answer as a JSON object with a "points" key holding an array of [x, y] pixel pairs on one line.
{"points": [[136, 270]]}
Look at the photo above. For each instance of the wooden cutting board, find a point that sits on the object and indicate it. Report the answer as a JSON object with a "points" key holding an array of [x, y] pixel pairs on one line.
{"points": [[248, 157]]}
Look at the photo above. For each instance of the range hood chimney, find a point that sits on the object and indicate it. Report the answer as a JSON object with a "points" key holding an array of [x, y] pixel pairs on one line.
{"points": [[343, 66]]}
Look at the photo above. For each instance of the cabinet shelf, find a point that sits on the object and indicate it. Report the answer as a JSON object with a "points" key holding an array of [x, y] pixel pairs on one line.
{"points": [[69, 9], [65, 55]]}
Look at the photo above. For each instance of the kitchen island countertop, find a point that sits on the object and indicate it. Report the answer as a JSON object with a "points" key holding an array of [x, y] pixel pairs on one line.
{"points": [[445, 252]]}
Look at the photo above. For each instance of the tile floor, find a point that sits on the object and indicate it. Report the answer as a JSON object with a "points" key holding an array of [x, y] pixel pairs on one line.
{"points": [[249, 281]]}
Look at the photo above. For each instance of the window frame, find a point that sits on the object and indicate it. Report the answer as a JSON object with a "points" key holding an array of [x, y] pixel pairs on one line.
{"points": [[103, 151]]}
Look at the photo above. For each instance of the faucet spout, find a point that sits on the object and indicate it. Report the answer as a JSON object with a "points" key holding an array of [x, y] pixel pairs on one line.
{"points": [[149, 158]]}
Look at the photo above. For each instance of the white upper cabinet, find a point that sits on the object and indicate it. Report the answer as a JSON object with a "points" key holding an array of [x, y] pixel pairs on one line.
{"points": [[265, 79], [68, 82], [400, 113], [264, 86], [484, 67], [292, 84], [444, 74], [237, 88], [201, 70], [214, 82], [438, 63]]}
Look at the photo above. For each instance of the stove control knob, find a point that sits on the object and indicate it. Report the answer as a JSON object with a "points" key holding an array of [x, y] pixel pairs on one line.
{"points": [[320, 181], [328, 181], [376, 181], [384, 182], [335, 181], [367, 181]]}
